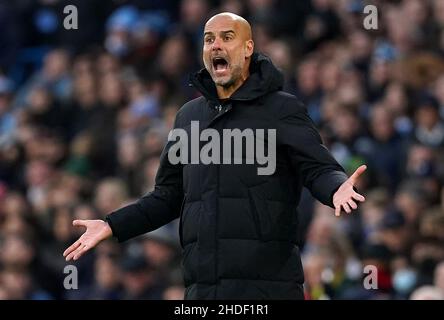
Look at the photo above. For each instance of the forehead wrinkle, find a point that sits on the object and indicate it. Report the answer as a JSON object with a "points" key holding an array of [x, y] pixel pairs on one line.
{"points": [[221, 32]]}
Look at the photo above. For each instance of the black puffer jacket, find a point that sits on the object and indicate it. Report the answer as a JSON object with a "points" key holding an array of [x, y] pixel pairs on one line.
{"points": [[238, 228]]}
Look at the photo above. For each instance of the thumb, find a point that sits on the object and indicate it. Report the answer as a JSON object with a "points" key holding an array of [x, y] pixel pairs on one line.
{"points": [[78, 223], [354, 177]]}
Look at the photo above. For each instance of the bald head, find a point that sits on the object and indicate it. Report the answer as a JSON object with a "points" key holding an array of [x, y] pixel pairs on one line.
{"points": [[227, 50], [243, 25]]}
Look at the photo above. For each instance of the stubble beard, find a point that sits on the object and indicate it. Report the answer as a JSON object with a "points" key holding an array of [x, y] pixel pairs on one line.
{"points": [[235, 75]]}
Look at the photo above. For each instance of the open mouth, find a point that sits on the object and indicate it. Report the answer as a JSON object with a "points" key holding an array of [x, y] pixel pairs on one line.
{"points": [[220, 64]]}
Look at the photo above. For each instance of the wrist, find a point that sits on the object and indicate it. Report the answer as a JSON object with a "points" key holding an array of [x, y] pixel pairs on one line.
{"points": [[107, 231]]}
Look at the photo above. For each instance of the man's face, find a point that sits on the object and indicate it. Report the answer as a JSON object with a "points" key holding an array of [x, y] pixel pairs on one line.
{"points": [[226, 47]]}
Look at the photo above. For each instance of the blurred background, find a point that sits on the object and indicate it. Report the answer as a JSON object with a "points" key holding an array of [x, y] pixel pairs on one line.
{"points": [[84, 115]]}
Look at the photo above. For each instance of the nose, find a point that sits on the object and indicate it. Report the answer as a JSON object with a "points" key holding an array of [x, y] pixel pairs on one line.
{"points": [[216, 44]]}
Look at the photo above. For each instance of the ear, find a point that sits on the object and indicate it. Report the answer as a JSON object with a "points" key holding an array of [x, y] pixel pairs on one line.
{"points": [[249, 48]]}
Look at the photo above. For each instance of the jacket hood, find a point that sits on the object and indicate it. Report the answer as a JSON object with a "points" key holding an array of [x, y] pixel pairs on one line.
{"points": [[264, 78]]}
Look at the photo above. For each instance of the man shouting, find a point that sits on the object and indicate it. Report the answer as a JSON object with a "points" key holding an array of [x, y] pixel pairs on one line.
{"points": [[238, 228]]}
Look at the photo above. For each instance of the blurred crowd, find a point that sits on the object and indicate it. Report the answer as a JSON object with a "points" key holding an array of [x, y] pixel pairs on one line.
{"points": [[84, 115]]}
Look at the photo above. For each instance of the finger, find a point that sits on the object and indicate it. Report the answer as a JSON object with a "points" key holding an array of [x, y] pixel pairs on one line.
{"points": [[352, 204], [74, 253], [346, 207], [337, 211], [71, 254], [78, 223], [81, 251], [71, 248], [354, 177], [358, 197]]}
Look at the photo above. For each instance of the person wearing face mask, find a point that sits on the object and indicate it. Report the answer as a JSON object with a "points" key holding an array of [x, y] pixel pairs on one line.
{"points": [[404, 281]]}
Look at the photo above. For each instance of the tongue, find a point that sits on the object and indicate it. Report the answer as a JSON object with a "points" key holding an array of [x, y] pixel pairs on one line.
{"points": [[221, 66]]}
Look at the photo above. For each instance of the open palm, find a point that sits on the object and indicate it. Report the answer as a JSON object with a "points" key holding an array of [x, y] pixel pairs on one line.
{"points": [[345, 197], [96, 231]]}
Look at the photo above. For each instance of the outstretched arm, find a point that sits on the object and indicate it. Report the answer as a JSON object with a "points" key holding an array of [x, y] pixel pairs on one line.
{"points": [[150, 212], [155, 209], [320, 172]]}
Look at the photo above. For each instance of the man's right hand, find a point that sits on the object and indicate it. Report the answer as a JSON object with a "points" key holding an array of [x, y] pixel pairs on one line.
{"points": [[96, 231]]}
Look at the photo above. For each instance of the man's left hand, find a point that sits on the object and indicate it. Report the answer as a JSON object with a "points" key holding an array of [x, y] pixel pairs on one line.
{"points": [[345, 196]]}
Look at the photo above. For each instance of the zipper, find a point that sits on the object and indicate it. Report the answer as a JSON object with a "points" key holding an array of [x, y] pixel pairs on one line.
{"points": [[221, 113], [181, 222], [216, 247], [221, 110], [255, 215]]}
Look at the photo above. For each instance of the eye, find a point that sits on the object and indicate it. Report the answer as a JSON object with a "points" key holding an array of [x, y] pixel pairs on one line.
{"points": [[209, 40], [228, 37]]}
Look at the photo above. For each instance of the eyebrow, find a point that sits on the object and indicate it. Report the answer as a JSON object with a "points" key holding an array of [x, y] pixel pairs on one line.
{"points": [[223, 32]]}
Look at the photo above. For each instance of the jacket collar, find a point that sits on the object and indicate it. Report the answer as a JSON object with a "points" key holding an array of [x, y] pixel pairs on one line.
{"points": [[264, 78]]}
